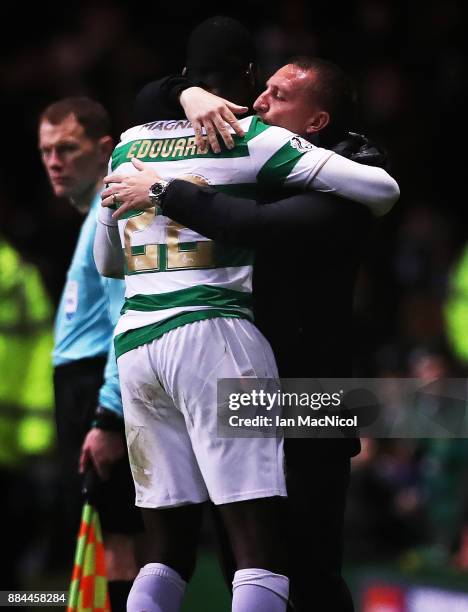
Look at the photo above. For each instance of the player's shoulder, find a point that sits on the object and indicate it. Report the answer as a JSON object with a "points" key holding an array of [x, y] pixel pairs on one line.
{"points": [[252, 126], [136, 131], [262, 133], [158, 129]]}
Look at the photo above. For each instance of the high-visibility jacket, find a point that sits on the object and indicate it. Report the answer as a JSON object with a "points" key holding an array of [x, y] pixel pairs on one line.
{"points": [[26, 391], [456, 308]]}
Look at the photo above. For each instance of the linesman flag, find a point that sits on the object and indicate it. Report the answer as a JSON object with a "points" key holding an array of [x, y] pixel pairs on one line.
{"points": [[88, 589]]}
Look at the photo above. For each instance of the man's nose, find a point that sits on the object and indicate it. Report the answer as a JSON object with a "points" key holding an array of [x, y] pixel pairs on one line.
{"points": [[260, 103], [54, 160]]}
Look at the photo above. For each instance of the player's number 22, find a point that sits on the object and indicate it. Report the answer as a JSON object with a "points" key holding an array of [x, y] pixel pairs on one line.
{"points": [[173, 255]]}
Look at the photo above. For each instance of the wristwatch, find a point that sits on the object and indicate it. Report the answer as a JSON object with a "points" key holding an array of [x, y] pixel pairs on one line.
{"points": [[108, 420], [157, 191]]}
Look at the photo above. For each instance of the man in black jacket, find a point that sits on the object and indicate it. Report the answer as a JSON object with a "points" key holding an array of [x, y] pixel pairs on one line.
{"points": [[307, 254]]}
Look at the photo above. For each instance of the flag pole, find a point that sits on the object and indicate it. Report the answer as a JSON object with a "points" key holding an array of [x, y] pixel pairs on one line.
{"points": [[88, 588]]}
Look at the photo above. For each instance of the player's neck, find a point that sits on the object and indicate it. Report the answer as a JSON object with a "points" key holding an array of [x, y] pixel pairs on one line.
{"points": [[82, 201]]}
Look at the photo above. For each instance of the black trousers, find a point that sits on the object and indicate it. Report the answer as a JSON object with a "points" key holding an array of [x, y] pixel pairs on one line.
{"points": [[317, 483], [77, 387]]}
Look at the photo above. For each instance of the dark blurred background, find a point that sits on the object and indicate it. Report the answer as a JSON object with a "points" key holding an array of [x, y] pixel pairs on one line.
{"points": [[407, 59]]}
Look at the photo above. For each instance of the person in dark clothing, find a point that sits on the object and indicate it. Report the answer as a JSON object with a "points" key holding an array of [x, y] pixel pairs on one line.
{"points": [[308, 248], [310, 333]]}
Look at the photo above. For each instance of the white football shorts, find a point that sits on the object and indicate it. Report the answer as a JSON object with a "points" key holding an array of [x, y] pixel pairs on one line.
{"points": [[169, 393]]}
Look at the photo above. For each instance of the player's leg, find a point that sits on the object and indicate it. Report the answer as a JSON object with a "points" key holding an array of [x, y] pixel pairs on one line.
{"points": [[173, 535], [168, 483], [243, 475], [224, 551], [256, 531], [252, 528], [172, 543]]}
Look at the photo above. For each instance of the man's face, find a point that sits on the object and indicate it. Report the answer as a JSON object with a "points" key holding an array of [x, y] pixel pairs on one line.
{"points": [[287, 101], [73, 161]]}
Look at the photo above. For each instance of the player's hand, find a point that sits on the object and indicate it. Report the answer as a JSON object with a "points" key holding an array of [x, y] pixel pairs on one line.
{"points": [[103, 448], [130, 191], [205, 110]]}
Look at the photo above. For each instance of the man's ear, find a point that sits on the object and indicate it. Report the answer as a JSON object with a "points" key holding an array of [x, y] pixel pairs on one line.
{"points": [[106, 146], [184, 70], [317, 122]]}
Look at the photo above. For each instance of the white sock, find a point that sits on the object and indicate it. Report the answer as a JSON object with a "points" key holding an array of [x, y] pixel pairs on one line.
{"points": [[259, 590], [157, 588]]}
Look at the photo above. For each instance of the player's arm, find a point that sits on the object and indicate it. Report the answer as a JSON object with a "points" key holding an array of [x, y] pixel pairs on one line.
{"points": [[107, 250], [297, 163], [368, 185]]}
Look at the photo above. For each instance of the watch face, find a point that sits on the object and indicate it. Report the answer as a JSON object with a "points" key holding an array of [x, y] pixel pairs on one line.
{"points": [[157, 189]]}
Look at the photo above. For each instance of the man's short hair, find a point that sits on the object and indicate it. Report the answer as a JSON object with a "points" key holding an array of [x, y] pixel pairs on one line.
{"points": [[335, 92], [219, 45], [91, 115]]}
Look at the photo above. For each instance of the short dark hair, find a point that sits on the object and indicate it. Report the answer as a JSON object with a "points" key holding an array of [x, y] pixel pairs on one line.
{"points": [[335, 92], [90, 114], [220, 44], [220, 54]]}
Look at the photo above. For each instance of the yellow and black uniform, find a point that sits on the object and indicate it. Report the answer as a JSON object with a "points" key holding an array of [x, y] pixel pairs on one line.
{"points": [[26, 424]]}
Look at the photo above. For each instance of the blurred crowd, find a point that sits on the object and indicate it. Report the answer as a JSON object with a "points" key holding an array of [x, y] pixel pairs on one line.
{"points": [[409, 499], [408, 502]]}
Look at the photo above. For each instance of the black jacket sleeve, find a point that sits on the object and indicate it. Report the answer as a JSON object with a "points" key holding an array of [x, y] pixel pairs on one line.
{"points": [[245, 222], [159, 100]]}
